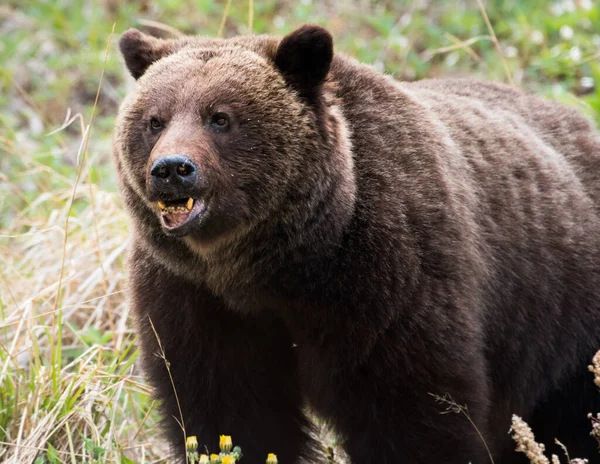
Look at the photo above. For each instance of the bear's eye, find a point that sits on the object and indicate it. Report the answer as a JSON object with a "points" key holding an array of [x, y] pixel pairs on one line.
{"points": [[155, 124], [220, 120]]}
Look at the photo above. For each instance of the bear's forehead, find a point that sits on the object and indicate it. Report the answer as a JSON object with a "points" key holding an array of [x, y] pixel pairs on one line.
{"points": [[218, 63], [195, 78]]}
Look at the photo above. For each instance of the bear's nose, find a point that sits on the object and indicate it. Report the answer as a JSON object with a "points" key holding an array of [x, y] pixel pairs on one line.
{"points": [[173, 170]]}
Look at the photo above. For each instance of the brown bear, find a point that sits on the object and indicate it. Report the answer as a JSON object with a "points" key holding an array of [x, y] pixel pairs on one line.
{"points": [[308, 231]]}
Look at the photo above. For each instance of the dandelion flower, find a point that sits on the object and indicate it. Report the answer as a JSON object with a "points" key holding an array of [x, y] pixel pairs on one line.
{"points": [[191, 443], [225, 443]]}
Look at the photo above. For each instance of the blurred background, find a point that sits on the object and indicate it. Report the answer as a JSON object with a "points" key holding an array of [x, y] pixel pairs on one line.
{"points": [[69, 387]]}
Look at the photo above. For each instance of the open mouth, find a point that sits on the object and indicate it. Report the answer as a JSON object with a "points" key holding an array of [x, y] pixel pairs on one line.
{"points": [[177, 213]]}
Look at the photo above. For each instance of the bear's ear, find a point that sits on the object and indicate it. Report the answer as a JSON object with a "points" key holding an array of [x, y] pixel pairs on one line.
{"points": [[304, 58], [141, 50]]}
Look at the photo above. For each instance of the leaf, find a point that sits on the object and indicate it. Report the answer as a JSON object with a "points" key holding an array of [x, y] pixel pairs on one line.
{"points": [[53, 455]]}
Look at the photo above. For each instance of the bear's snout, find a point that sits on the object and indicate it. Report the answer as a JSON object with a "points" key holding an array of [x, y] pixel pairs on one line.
{"points": [[172, 176]]}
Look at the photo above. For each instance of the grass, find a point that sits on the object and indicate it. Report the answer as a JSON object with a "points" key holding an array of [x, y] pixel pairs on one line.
{"points": [[70, 389]]}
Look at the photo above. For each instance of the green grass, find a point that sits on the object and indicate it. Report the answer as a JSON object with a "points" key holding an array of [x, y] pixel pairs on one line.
{"points": [[70, 390]]}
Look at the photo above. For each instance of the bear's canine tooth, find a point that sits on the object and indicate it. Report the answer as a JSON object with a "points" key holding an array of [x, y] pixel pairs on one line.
{"points": [[189, 204], [161, 205]]}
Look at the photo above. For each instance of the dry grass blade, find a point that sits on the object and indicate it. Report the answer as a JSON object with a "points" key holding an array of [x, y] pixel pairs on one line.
{"points": [[86, 139], [161, 26], [224, 19], [250, 15], [453, 407], [459, 45], [495, 41], [163, 356]]}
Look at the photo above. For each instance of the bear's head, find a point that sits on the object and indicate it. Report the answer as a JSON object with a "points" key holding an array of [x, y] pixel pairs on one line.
{"points": [[223, 136]]}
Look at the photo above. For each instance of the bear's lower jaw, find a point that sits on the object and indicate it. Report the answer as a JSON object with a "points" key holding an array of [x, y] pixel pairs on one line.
{"points": [[174, 219]]}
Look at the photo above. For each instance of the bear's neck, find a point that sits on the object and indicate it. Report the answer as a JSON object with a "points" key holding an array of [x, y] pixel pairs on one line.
{"points": [[279, 262]]}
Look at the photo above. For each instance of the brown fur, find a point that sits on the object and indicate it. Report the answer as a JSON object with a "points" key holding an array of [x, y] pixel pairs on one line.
{"points": [[368, 242]]}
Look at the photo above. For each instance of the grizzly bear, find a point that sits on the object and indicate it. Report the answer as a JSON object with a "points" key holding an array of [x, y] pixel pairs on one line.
{"points": [[310, 233]]}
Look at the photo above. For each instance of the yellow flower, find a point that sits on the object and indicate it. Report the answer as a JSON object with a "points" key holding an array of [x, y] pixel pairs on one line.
{"points": [[215, 459], [272, 459], [228, 460], [203, 459], [191, 443], [225, 443]]}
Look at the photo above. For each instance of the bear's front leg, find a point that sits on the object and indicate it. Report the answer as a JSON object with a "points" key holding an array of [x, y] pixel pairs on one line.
{"points": [[403, 399], [231, 374]]}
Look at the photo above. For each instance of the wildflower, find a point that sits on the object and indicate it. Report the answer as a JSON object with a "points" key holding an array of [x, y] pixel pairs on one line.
{"points": [[537, 37], [575, 54], [203, 459], [191, 443], [225, 443], [272, 459], [511, 52], [526, 443], [191, 446], [215, 459], [587, 83], [595, 426], [228, 460], [566, 32], [595, 368]]}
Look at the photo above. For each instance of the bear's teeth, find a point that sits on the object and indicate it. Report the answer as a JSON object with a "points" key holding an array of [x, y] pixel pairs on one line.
{"points": [[161, 205], [189, 204], [174, 209]]}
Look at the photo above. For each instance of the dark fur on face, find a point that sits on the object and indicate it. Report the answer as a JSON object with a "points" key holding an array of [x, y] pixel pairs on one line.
{"points": [[358, 244]]}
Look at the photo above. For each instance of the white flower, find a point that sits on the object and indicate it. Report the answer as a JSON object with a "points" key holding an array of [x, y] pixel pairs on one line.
{"points": [[575, 54], [537, 37], [452, 59], [557, 9], [566, 32], [510, 52], [405, 20], [278, 22], [569, 6], [400, 41], [587, 82]]}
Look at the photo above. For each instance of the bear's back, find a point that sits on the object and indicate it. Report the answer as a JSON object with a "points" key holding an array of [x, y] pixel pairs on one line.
{"points": [[561, 128]]}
